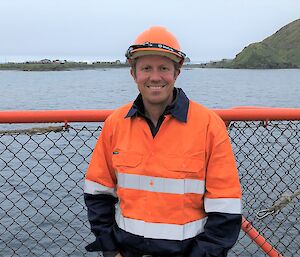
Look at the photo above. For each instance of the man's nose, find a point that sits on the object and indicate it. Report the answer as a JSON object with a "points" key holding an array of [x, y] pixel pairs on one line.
{"points": [[155, 75]]}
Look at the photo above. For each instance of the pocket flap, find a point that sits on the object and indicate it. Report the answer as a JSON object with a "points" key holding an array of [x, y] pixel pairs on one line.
{"points": [[127, 159], [189, 164]]}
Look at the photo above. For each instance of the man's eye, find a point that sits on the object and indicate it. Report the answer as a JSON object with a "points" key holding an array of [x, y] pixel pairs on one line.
{"points": [[164, 68], [146, 68]]}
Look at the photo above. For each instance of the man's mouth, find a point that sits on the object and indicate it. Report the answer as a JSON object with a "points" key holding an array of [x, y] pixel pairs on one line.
{"points": [[155, 86]]}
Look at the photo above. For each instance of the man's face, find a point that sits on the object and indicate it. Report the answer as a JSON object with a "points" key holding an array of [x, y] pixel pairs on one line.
{"points": [[155, 77]]}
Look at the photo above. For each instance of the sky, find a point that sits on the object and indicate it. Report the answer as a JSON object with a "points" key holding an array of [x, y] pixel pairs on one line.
{"points": [[103, 30]]}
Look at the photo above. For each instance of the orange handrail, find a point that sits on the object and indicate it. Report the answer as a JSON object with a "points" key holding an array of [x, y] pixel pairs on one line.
{"points": [[43, 116], [259, 239], [263, 114]]}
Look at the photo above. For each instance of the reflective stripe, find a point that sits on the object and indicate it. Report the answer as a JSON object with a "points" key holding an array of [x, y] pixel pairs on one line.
{"points": [[160, 230], [225, 205], [160, 185], [91, 187]]}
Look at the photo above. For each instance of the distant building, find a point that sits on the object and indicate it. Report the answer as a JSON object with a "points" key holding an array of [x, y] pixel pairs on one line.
{"points": [[59, 61], [107, 62], [45, 61]]}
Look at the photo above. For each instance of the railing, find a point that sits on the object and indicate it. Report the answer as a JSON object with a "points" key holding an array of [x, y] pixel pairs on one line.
{"points": [[42, 167]]}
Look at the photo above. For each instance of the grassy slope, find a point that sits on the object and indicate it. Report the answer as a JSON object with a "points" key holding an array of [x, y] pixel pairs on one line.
{"points": [[281, 50]]}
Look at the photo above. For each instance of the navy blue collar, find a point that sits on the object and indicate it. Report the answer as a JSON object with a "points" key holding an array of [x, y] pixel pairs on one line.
{"points": [[178, 109]]}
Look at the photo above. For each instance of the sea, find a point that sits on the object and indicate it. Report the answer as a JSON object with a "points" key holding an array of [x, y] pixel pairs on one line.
{"points": [[106, 89], [111, 88]]}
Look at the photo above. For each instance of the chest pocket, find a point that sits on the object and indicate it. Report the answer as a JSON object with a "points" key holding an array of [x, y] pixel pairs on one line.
{"points": [[189, 167], [126, 160]]}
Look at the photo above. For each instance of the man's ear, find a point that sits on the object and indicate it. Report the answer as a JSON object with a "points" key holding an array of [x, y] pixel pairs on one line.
{"points": [[133, 74], [177, 72]]}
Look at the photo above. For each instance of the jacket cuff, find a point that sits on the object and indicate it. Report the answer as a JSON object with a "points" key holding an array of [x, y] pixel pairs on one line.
{"points": [[110, 254], [106, 244]]}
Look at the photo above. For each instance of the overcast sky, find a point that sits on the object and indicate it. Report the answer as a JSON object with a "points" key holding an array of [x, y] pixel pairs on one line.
{"points": [[99, 30]]}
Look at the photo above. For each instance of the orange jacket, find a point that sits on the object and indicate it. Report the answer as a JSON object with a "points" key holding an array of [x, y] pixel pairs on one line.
{"points": [[168, 183]]}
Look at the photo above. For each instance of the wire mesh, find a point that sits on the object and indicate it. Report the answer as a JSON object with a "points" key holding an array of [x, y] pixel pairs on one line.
{"points": [[267, 156], [42, 211]]}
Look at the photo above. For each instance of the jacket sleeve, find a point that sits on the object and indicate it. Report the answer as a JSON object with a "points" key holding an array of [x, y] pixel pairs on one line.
{"points": [[222, 198], [220, 234], [100, 194], [101, 217]]}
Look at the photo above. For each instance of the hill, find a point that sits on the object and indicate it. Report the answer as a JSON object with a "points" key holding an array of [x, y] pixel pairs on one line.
{"points": [[280, 50]]}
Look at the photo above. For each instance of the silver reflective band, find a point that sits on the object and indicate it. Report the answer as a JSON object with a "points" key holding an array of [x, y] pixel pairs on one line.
{"points": [[93, 188], [150, 45], [224, 205], [160, 230], [161, 185]]}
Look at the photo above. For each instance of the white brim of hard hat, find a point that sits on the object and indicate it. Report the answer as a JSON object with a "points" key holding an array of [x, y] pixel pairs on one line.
{"points": [[171, 56]]}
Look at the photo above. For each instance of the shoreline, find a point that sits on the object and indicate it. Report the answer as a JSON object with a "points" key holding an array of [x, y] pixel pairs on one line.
{"points": [[69, 66], [60, 66]]}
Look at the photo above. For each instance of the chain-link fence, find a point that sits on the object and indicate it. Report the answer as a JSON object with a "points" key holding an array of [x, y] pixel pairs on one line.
{"points": [[42, 211]]}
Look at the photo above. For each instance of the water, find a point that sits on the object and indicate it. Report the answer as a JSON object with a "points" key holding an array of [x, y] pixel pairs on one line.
{"points": [[111, 88], [107, 89]]}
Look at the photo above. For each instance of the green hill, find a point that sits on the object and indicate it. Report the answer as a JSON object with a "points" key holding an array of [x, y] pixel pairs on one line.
{"points": [[281, 50]]}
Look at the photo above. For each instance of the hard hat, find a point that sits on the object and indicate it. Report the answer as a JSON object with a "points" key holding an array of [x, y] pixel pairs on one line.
{"points": [[156, 41]]}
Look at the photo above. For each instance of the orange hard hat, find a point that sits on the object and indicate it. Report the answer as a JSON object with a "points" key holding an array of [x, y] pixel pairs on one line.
{"points": [[156, 41]]}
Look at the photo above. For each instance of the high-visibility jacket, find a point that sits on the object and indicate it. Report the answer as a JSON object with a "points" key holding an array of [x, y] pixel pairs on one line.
{"points": [[166, 185]]}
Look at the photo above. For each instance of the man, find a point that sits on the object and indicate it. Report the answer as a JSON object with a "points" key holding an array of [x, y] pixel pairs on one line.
{"points": [[162, 180]]}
